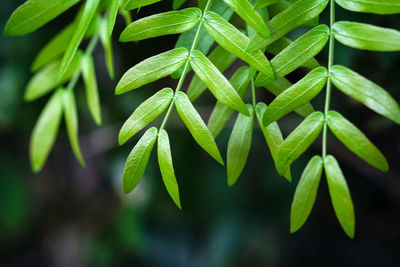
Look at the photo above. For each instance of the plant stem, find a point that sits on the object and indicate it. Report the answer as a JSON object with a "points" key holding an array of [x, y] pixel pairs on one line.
{"points": [[329, 82], [253, 94], [186, 67]]}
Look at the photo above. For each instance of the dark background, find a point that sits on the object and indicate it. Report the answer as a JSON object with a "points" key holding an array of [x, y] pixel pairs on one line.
{"points": [[70, 216]]}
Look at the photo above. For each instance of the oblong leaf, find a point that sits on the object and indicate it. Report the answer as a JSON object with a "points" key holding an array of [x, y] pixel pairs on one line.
{"points": [[152, 69], [45, 131], [239, 145], [33, 14], [166, 167], [91, 89], [137, 160], [107, 45], [112, 16], [71, 121], [133, 4], [340, 195], [366, 36], [230, 38], [216, 82], [297, 95], [246, 11], [221, 113], [88, 13], [355, 140], [306, 192], [365, 91], [145, 113], [221, 59], [171, 22], [196, 126], [371, 6], [296, 15], [298, 141]]}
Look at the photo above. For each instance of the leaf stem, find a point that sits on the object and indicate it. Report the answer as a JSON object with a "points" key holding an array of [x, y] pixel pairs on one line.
{"points": [[253, 94], [186, 67], [329, 82]]}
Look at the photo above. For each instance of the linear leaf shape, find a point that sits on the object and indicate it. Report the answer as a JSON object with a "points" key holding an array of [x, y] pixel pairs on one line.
{"points": [[152, 69], [246, 11], [71, 121], [222, 113], [137, 160], [133, 4], [46, 79], [340, 195], [171, 22], [82, 26], [272, 134], [145, 113], [298, 52], [112, 16], [230, 38], [34, 14], [221, 59], [45, 131], [107, 46], [298, 141], [196, 126], [366, 36], [296, 15], [371, 6], [305, 194], [279, 45], [216, 82], [365, 91], [91, 89], [297, 95], [280, 85], [239, 145], [263, 3], [166, 167], [355, 140]]}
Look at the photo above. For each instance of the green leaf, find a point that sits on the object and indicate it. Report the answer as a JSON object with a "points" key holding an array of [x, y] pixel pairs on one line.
{"points": [[296, 15], [221, 59], [145, 113], [263, 3], [340, 195], [152, 69], [171, 22], [371, 6], [46, 79], [45, 131], [297, 95], [278, 86], [107, 45], [230, 38], [366, 36], [298, 52], [239, 145], [177, 4], [245, 10], [216, 82], [298, 141], [365, 91], [71, 121], [112, 16], [88, 13], [166, 167], [355, 140], [137, 160], [305, 194], [133, 4], [34, 14], [92, 93], [221, 113], [196, 126], [272, 134]]}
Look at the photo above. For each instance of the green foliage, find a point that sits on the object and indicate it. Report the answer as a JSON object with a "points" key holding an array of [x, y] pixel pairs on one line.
{"points": [[266, 24]]}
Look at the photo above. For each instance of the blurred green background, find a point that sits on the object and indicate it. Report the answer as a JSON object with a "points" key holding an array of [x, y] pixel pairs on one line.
{"points": [[70, 216]]}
